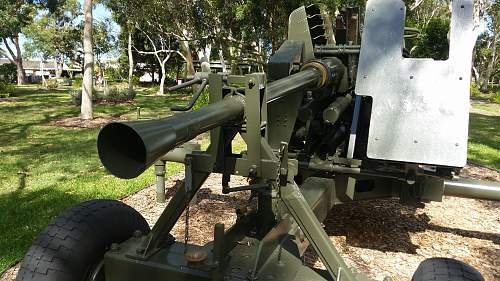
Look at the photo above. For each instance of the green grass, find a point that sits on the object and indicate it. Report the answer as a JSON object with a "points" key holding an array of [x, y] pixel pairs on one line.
{"points": [[62, 163], [484, 136]]}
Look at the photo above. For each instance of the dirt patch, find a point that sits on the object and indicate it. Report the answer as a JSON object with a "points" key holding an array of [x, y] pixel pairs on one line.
{"points": [[77, 122], [378, 237]]}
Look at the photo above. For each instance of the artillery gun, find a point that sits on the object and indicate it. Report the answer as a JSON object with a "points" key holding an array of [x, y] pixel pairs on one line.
{"points": [[326, 124]]}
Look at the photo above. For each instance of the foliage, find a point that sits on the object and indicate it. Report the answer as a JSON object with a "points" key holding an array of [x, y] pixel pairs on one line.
{"points": [[77, 82], [7, 72], [14, 15], [6, 89], [433, 43], [491, 95], [55, 34], [495, 97], [51, 83]]}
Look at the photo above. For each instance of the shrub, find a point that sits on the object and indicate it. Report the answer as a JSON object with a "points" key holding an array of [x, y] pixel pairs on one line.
{"points": [[8, 72], [6, 89], [77, 82], [474, 90], [112, 94], [135, 80], [495, 97], [51, 83], [116, 94]]}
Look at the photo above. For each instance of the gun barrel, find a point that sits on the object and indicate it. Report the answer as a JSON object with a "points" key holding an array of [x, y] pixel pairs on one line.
{"points": [[127, 149]]}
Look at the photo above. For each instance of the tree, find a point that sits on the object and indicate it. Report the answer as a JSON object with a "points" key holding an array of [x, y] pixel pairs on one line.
{"points": [[125, 14], [103, 42], [55, 34], [88, 63], [14, 15], [486, 52]]}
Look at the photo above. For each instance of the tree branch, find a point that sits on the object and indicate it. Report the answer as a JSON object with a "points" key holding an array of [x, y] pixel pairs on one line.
{"points": [[9, 49]]}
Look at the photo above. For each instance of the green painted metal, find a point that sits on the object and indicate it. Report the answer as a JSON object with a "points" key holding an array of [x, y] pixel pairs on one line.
{"points": [[301, 104]]}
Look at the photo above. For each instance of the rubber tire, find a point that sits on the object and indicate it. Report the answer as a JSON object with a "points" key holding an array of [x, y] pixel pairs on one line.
{"points": [[76, 240], [445, 269]]}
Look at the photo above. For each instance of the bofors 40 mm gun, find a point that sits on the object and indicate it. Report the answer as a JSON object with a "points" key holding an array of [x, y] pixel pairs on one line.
{"points": [[326, 124]]}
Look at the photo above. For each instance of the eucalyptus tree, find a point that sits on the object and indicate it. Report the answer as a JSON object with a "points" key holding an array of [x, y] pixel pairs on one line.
{"points": [[487, 49], [127, 14], [55, 34]]}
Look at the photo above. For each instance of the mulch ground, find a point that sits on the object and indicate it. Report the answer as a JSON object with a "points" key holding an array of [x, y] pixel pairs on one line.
{"points": [[379, 237], [77, 122]]}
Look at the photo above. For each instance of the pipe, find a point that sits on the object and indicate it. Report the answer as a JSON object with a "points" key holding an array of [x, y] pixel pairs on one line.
{"points": [[473, 189], [332, 113]]}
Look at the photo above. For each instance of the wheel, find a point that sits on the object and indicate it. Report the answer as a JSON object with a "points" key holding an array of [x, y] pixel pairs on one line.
{"points": [[445, 269], [72, 246]]}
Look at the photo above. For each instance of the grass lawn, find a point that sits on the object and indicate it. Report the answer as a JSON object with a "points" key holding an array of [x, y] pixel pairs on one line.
{"points": [[484, 135], [63, 167], [62, 163]]}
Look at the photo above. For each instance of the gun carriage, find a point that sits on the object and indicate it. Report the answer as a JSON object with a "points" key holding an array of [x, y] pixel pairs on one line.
{"points": [[326, 124]]}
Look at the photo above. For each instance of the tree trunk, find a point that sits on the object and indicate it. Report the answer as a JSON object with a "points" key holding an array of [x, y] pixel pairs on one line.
{"points": [[19, 61], [186, 51], [162, 80], [483, 84], [20, 72], [204, 58], [58, 67], [88, 64], [130, 61]]}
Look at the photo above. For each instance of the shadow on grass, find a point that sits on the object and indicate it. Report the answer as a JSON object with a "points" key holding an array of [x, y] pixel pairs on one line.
{"points": [[485, 129], [24, 214]]}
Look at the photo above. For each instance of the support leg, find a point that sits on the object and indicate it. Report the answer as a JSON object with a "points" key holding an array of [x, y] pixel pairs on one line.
{"points": [[305, 218], [160, 170]]}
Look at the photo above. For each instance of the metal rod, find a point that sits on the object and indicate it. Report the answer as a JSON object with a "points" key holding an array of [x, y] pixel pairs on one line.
{"points": [[468, 188], [336, 52], [185, 84], [177, 107]]}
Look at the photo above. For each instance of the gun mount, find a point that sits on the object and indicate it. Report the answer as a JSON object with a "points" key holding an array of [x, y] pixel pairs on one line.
{"points": [[326, 124]]}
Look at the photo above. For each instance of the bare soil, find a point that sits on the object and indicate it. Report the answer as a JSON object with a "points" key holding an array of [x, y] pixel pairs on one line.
{"points": [[379, 238]]}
